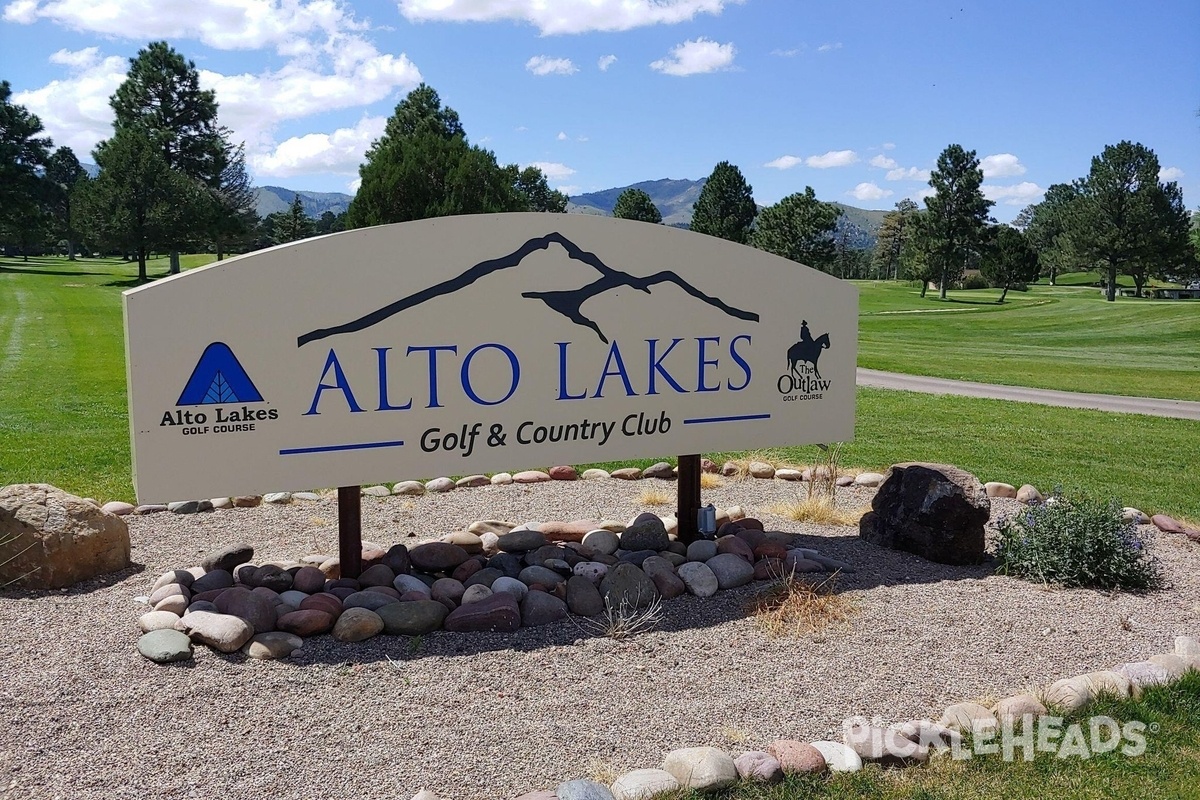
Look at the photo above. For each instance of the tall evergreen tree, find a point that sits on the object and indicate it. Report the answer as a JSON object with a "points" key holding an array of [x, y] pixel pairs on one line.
{"points": [[63, 174], [291, 225], [161, 94], [725, 207], [1127, 218], [895, 231], [1008, 259], [424, 167], [635, 204], [23, 151], [137, 202], [953, 228], [231, 200], [799, 227]]}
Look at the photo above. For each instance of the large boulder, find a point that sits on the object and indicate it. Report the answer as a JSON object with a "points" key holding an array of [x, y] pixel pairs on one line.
{"points": [[50, 539], [936, 511]]}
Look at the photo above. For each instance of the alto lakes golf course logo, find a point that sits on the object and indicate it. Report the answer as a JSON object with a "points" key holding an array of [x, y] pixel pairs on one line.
{"points": [[218, 380]]}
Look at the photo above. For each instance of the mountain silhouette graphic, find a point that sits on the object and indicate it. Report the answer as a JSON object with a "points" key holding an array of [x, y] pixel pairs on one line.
{"points": [[566, 302], [218, 378]]}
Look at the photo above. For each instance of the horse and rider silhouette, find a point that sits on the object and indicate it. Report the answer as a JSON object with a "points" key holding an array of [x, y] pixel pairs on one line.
{"points": [[807, 350]]}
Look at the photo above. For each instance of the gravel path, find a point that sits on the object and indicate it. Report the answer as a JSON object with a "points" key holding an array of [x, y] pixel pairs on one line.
{"points": [[492, 716]]}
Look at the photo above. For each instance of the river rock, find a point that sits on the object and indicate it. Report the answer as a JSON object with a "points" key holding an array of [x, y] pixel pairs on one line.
{"points": [[473, 594], [839, 757], [699, 579], [594, 571], [757, 766], [572, 531], [1029, 495], [701, 550], [701, 768], [412, 618], [378, 575], [439, 485], [374, 491], [246, 501], [305, 622], [323, 601], [498, 613], [870, 480], [1168, 524], [786, 474], [797, 757], [935, 511], [163, 646], [605, 542], [521, 541], [228, 558], [643, 784], [256, 609], [437, 556], [661, 571], [627, 474], [371, 601], [968, 717], [357, 625], [540, 608], [583, 597], [473, 482], [646, 533], [540, 575], [219, 631], [1013, 710], [582, 789], [308, 580], [409, 488], [217, 579], [563, 473], [662, 470], [530, 476], [595, 474], [270, 646], [737, 546], [628, 587], [997, 489], [730, 570], [760, 469], [157, 621], [884, 746], [51, 539]]}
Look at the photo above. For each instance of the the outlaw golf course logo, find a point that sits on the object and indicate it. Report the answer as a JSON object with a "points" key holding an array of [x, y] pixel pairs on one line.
{"points": [[219, 380], [803, 379]]}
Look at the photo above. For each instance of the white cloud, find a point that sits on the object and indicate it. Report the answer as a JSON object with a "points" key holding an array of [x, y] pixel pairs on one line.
{"points": [[564, 16], [869, 191], [1170, 174], [340, 152], [545, 65], [922, 194], [784, 162], [883, 162], [834, 158], [790, 52], [353, 185], [696, 56], [75, 110], [562, 136], [220, 24], [909, 174], [829, 46], [889, 145], [581, 138], [553, 170], [1001, 165], [605, 62], [1017, 194], [570, 189]]}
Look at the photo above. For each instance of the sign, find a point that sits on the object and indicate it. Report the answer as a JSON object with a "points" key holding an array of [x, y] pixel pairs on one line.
{"points": [[473, 344]]}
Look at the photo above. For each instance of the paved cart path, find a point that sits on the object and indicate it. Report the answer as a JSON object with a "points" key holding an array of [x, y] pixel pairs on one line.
{"points": [[1153, 406]]}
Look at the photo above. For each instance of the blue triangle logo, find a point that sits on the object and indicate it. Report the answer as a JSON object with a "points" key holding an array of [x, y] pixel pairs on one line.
{"points": [[218, 378]]}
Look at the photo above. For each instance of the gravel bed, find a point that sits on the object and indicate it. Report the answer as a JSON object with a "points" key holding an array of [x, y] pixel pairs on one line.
{"points": [[493, 716]]}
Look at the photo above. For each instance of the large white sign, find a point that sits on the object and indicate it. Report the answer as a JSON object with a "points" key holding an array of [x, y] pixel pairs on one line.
{"points": [[475, 344]]}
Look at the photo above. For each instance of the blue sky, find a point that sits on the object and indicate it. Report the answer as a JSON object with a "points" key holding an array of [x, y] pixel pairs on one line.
{"points": [[855, 99]]}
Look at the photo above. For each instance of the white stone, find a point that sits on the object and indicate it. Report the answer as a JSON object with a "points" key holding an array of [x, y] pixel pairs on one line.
{"points": [[307, 496], [701, 768], [839, 757], [969, 717], [376, 491], [786, 474], [118, 507], [1137, 517], [643, 784], [502, 479], [868, 479], [1186, 646], [735, 513], [594, 475], [1069, 694], [490, 542], [439, 485], [278, 498], [409, 488], [157, 621]]}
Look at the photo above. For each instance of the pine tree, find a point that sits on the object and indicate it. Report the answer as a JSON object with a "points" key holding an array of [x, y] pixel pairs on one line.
{"points": [[799, 227], [725, 207], [953, 228], [636, 205]]}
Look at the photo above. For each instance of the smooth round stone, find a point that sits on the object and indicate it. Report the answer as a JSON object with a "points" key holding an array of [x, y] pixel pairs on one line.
{"points": [[594, 571], [541, 575], [475, 594], [216, 579], [369, 601], [222, 632], [308, 580], [594, 474], [759, 767], [521, 541], [409, 488], [175, 604], [310, 497], [378, 575], [998, 489], [356, 625], [583, 597], [698, 578], [839, 757], [488, 575], [411, 583], [168, 590], [178, 576], [582, 789], [201, 605], [502, 479], [730, 569], [445, 589], [737, 546], [437, 556], [118, 507], [701, 768], [968, 717], [439, 485], [541, 608], [306, 622], [530, 476], [277, 498], [472, 481], [643, 784], [868, 479], [376, 491], [157, 621], [413, 618], [675, 559], [701, 550], [797, 757], [164, 646], [273, 645], [510, 585], [1012, 710]]}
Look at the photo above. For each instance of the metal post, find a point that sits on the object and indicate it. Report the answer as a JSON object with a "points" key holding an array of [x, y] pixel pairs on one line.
{"points": [[350, 530], [689, 498]]}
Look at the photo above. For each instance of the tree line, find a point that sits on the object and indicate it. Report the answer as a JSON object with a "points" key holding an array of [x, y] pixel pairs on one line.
{"points": [[171, 179]]}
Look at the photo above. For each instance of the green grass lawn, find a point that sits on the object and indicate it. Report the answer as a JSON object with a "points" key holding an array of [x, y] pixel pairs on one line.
{"points": [[1066, 338], [1168, 770]]}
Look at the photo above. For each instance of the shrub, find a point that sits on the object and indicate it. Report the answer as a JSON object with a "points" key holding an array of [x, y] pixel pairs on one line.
{"points": [[976, 282], [1077, 543]]}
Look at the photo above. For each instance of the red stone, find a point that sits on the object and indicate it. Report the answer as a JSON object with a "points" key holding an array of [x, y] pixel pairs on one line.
{"points": [[563, 473], [709, 466], [309, 622], [771, 550], [466, 570], [499, 612], [328, 603], [768, 569], [750, 524], [573, 531], [732, 544], [797, 757]]}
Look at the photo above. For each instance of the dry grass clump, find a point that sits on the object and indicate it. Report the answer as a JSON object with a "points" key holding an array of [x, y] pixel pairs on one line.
{"points": [[818, 511], [794, 607], [625, 621], [710, 481], [652, 496], [776, 458]]}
